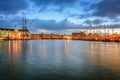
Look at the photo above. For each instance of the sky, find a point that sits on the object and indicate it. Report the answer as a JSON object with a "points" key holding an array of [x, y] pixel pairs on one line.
{"points": [[59, 16]]}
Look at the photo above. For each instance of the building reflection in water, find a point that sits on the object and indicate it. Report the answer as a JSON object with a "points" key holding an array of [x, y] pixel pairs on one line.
{"points": [[61, 57], [105, 54], [44, 47], [99, 53], [66, 48], [14, 51], [43, 50], [9, 47], [31, 48]]}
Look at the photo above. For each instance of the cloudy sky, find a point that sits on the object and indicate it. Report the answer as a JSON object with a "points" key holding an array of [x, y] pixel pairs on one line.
{"points": [[59, 16]]}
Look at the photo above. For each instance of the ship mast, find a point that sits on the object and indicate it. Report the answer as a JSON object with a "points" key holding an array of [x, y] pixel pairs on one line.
{"points": [[24, 26], [24, 22]]}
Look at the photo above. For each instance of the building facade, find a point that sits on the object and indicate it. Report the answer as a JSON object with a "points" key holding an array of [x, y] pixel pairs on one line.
{"points": [[14, 34], [49, 36]]}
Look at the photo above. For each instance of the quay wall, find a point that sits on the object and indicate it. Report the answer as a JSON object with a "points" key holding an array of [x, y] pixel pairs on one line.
{"points": [[49, 36]]}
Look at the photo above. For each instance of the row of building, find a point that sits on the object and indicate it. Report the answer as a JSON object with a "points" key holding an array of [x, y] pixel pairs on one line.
{"points": [[24, 34], [49, 36], [115, 37]]}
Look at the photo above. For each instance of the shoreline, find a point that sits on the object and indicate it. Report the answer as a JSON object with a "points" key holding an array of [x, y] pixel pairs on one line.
{"points": [[65, 39]]}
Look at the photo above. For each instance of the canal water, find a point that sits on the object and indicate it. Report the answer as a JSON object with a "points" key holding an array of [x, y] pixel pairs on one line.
{"points": [[59, 60]]}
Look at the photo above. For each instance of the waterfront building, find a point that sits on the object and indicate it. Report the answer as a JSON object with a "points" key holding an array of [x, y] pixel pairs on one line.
{"points": [[108, 34], [14, 34]]}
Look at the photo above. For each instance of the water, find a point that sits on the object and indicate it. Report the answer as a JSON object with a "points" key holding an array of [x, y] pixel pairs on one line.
{"points": [[59, 60]]}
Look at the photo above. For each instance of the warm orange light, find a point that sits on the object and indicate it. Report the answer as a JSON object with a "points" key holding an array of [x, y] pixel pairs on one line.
{"points": [[68, 37]]}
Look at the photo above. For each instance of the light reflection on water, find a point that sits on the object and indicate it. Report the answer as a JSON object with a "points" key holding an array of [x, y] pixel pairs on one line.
{"points": [[59, 60], [106, 55]]}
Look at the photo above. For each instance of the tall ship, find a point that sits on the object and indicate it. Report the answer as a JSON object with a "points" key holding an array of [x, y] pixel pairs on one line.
{"points": [[16, 34]]}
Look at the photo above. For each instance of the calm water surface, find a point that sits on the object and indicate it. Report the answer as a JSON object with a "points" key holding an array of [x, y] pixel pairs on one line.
{"points": [[59, 60]]}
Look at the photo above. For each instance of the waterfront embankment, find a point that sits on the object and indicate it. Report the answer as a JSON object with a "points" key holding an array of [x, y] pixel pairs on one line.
{"points": [[79, 36]]}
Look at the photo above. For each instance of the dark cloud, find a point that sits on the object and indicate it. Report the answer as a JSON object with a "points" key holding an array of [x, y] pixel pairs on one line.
{"points": [[60, 5], [97, 21], [53, 2], [12, 6], [79, 16], [7, 22], [51, 24], [94, 22], [88, 22], [116, 20], [107, 8], [84, 3]]}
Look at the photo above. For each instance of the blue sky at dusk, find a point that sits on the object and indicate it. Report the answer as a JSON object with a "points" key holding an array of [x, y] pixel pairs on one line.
{"points": [[58, 16]]}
